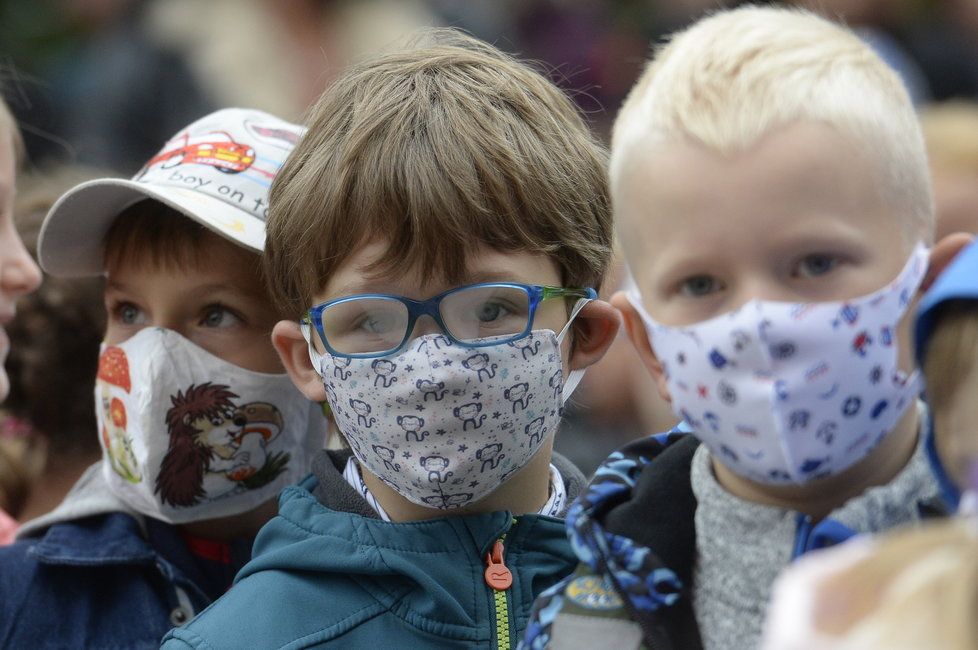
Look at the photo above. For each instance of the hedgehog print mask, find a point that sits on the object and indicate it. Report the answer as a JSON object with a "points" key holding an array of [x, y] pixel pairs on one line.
{"points": [[187, 436]]}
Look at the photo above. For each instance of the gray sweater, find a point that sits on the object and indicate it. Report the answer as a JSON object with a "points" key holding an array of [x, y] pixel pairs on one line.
{"points": [[735, 566]]}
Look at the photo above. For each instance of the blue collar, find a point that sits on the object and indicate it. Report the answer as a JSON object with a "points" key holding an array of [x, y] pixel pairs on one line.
{"points": [[118, 539], [111, 539]]}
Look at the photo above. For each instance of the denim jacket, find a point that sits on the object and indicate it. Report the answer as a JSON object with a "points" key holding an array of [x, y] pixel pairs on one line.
{"points": [[93, 574]]}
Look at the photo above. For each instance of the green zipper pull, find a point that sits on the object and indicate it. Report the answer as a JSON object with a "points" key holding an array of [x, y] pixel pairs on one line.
{"points": [[498, 575]]}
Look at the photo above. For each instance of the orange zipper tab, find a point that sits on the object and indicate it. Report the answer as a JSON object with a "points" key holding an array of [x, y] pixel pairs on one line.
{"points": [[498, 575]]}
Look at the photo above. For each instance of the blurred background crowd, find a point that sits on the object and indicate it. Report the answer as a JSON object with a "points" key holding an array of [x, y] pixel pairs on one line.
{"points": [[96, 85]]}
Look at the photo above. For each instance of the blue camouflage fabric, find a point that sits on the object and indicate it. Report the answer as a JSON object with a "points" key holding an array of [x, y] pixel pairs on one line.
{"points": [[618, 577]]}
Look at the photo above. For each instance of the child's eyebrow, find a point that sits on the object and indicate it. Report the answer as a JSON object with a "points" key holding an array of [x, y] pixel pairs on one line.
{"points": [[368, 286], [496, 276]]}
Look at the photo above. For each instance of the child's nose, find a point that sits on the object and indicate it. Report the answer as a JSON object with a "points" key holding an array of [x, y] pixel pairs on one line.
{"points": [[425, 325], [761, 288]]}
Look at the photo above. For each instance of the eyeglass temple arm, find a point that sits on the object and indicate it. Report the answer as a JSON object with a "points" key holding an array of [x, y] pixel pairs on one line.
{"points": [[562, 292]]}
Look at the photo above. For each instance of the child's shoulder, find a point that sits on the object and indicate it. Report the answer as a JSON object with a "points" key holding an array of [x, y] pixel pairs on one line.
{"points": [[643, 470], [276, 608], [637, 516]]}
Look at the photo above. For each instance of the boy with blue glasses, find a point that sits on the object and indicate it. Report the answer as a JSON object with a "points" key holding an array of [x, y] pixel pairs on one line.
{"points": [[440, 233]]}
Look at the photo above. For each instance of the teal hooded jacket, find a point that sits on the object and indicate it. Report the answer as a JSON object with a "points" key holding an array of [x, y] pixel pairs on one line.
{"points": [[326, 572]]}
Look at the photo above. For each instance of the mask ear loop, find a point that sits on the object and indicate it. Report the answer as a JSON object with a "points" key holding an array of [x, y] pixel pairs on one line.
{"points": [[575, 376], [314, 356]]}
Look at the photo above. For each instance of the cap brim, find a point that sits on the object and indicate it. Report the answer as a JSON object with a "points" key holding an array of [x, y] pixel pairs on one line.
{"points": [[71, 239]]}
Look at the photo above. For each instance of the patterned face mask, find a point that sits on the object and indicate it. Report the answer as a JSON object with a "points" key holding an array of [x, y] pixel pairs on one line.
{"points": [[444, 425], [786, 393], [188, 436]]}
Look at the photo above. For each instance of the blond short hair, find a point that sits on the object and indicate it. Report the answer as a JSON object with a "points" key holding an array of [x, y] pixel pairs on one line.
{"points": [[738, 75], [438, 149]]}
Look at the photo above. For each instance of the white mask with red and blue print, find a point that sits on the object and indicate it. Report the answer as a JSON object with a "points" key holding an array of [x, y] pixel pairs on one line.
{"points": [[785, 393], [445, 425]]}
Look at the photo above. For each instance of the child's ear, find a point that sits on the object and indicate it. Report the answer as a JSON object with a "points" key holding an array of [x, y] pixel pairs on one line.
{"points": [[941, 255], [635, 328], [595, 328], [294, 352]]}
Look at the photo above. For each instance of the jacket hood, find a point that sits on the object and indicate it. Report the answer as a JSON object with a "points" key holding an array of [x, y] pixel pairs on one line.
{"points": [[88, 497], [959, 281]]}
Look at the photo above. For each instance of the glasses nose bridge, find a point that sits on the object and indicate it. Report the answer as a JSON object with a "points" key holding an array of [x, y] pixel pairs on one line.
{"points": [[430, 308]]}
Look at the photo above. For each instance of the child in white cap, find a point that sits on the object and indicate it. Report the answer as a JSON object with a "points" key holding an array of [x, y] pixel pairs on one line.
{"points": [[200, 427]]}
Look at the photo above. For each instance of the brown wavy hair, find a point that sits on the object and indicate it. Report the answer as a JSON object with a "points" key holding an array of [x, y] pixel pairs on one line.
{"points": [[439, 149]]}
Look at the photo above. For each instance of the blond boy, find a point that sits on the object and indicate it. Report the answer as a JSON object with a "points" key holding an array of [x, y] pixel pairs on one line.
{"points": [[438, 236], [771, 188]]}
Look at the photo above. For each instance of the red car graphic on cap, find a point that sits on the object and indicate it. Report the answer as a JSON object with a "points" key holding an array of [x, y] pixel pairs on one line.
{"points": [[225, 155]]}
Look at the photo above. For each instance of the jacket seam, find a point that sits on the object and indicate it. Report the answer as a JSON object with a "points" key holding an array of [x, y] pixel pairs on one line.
{"points": [[320, 533], [330, 633]]}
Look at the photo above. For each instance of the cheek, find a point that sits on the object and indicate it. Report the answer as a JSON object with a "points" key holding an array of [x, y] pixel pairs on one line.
{"points": [[115, 334], [253, 351], [905, 341]]}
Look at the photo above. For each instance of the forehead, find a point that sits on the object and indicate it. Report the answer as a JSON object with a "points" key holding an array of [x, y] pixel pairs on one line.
{"points": [[355, 275], [805, 177], [212, 260]]}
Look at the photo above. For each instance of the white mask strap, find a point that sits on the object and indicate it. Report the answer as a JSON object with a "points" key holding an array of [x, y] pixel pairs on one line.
{"points": [[578, 306], [574, 377], [314, 356]]}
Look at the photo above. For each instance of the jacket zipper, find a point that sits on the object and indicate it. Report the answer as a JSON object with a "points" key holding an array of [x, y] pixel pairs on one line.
{"points": [[499, 579]]}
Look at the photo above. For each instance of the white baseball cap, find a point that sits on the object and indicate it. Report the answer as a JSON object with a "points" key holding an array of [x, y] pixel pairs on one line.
{"points": [[217, 171]]}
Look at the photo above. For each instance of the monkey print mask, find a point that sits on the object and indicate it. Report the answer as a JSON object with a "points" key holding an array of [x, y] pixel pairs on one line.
{"points": [[444, 425]]}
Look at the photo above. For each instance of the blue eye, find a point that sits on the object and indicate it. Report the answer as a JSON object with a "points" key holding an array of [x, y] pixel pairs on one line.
{"points": [[129, 314], [699, 285], [490, 311], [812, 266], [218, 316], [378, 324]]}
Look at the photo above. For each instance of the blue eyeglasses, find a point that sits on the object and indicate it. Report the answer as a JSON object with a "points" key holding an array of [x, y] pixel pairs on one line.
{"points": [[376, 325]]}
